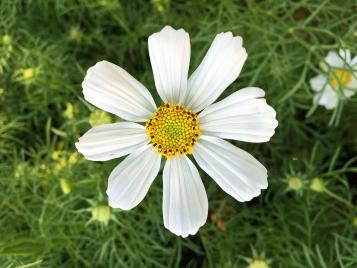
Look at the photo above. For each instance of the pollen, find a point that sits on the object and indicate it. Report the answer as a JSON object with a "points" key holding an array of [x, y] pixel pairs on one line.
{"points": [[339, 78], [173, 130]]}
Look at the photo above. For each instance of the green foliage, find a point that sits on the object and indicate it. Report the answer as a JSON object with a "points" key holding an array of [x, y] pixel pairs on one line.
{"points": [[48, 192]]}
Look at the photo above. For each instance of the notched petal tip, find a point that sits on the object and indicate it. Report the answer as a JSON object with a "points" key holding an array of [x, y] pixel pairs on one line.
{"points": [[225, 34], [238, 40], [168, 30], [194, 231], [96, 66], [230, 34]]}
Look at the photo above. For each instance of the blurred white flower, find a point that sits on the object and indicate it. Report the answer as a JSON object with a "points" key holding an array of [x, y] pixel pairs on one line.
{"points": [[188, 123], [338, 81]]}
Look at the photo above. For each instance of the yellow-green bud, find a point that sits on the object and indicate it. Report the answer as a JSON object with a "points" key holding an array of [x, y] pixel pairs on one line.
{"points": [[295, 183], [99, 117], [69, 112], [160, 5], [65, 186], [75, 33], [317, 185], [73, 158], [258, 264], [101, 213], [55, 155], [28, 73], [7, 40]]}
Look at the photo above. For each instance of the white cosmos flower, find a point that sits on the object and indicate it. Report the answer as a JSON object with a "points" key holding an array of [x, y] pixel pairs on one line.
{"points": [[187, 123], [338, 81]]}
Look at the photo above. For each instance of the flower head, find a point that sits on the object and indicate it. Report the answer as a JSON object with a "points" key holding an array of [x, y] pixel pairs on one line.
{"points": [[187, 123], [173, 130], [338, 81]]}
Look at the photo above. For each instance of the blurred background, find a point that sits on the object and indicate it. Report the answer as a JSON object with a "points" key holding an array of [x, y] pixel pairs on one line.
{"points": [[53, 206]]}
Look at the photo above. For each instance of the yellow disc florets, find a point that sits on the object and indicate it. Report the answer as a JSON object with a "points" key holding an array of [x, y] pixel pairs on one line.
{"points": [[339, 78], [173, 130]]}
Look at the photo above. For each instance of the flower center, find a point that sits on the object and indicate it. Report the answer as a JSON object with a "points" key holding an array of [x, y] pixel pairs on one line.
{"points": [[339, 78], [173, 130]]}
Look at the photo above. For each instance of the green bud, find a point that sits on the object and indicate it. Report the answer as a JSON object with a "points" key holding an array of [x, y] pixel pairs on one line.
{"points": [[101, 213], [295, 183], [99, 117], [65, 186], [317, 185]]}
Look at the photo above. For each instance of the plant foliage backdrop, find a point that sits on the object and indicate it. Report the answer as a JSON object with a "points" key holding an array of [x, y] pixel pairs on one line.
{"points": [[53, 206]]}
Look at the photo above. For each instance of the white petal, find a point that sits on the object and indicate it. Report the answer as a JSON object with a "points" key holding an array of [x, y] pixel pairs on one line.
{"points": [[240, 116], [169, 52], [130, 181], [112, 89], [354, 62], [185, 204], [327, 98], [111, 141], [237, 172], [318, 82], [333, 60], [349, 93], [345, 54], [352, 85], [219, 68]]}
